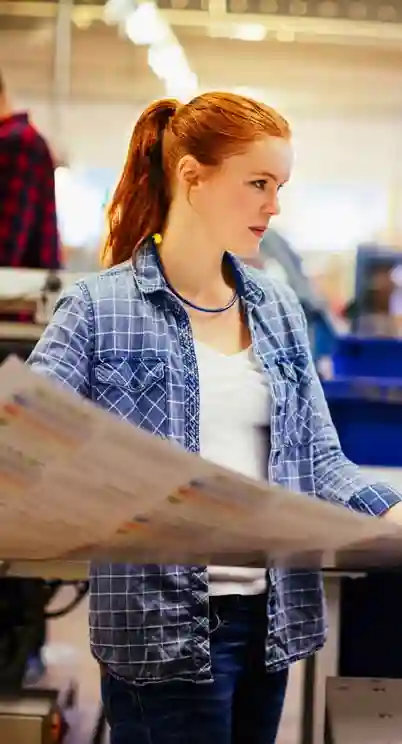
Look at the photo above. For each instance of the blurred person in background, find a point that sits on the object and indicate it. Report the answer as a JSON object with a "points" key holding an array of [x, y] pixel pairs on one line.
{"points": [[372, 314], [28, 237], [28, 223], [183, 339]]}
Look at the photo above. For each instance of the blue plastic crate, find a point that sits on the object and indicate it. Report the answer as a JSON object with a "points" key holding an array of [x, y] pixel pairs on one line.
{"points": [[367, 357], [367, 413]]}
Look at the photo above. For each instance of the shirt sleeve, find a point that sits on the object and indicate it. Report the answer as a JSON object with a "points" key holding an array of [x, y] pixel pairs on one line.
{"points": [[64, 351], [48, 234], [336, 478], [33, 201]]}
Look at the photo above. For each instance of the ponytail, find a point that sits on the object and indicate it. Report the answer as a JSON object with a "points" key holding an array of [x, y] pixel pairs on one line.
{"points": [[141, 200]]}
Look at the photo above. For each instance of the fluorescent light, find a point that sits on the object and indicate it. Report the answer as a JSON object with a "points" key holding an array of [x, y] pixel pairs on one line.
{"points": [[116, 11], [145, 25], [166, 59], [183, 87], [249, 32], [169, 64]]}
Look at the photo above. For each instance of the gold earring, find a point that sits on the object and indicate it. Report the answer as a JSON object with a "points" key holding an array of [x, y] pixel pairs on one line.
{"points": [[157, 238]]}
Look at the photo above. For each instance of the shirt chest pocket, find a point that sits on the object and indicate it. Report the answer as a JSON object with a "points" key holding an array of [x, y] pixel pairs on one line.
{"points": [[134, 389], [293, 388]]}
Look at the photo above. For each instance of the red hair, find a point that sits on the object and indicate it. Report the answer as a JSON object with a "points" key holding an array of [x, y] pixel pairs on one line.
{"points": [[211, 127]]}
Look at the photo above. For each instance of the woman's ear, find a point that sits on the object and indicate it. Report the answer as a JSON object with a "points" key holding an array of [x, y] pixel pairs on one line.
{"points": [[189, 172]]}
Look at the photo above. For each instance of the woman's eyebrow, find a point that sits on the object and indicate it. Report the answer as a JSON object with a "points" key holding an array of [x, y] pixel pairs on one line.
{"points": [[266, 174]]}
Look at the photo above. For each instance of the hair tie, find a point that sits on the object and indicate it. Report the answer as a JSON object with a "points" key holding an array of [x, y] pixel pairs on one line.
{"points": [[155, 159]]}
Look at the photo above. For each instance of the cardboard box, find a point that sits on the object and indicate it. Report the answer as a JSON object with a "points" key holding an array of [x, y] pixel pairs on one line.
{"points": [[364, 711]]}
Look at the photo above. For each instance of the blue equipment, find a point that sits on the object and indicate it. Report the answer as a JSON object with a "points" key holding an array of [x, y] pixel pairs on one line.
{"points": [[365, 400], [363, 396], [276, 251], [366, 393]]}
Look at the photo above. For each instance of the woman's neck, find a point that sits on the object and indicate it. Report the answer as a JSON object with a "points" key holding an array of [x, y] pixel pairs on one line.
{"points": [[193, 266]]}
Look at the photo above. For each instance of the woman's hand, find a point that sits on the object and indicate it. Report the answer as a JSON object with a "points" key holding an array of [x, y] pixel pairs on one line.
{"points": [[394, 515]]}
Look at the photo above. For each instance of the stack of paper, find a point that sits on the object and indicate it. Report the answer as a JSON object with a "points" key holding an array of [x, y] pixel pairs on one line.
{"points": [[76, 483]]}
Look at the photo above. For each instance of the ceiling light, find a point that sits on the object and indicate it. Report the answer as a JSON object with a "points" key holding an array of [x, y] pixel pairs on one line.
{"points": [[182, 87], [166, 59], [145, 25], [116, 11], [249, 32]]}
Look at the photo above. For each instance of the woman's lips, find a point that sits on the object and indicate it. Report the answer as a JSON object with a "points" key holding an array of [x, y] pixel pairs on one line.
{"points": [[258, 231]]}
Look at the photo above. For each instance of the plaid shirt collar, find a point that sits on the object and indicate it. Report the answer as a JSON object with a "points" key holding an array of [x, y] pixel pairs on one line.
{"points": [[150, 279], [11, 121]]}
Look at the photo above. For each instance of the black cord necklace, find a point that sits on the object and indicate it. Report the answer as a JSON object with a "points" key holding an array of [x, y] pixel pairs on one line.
{"points": [[157, 239]]}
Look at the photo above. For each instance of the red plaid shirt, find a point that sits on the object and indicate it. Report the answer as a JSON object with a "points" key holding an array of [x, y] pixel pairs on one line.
{"points": [[28, 223]]}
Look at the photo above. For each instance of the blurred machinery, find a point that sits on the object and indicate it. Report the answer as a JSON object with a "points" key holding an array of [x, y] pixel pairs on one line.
{"points": [[365, 401], [364, 395], [279, 259], [27, 299], [376, 309], [33, 708]]}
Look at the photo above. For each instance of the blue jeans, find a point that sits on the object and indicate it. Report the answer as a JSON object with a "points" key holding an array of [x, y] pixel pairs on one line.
{"points": [[242, 706]]}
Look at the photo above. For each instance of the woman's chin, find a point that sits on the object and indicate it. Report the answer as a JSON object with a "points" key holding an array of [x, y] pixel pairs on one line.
{"points": [[250, 252], [248, 249]]}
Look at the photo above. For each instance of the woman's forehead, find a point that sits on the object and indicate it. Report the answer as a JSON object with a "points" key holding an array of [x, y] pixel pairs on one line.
{"points": [[268, 157]]}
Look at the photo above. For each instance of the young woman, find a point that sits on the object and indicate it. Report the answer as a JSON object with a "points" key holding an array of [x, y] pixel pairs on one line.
{"points": [[178, 336]]}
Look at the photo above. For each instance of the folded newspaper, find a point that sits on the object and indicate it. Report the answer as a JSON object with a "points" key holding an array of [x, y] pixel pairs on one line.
{"points": [[78, 484]]}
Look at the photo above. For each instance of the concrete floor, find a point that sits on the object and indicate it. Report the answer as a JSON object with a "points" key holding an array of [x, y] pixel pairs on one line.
{"points": [[68, 654]]}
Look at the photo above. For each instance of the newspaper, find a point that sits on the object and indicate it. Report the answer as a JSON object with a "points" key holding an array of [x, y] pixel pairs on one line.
{"points": [[77, 483]]}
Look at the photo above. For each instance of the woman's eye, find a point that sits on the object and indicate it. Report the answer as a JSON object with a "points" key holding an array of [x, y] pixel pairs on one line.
{"points": [[260, 184]]}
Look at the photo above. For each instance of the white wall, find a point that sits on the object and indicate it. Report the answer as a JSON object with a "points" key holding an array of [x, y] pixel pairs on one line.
{"points": [[344, 104], [91, 135], [334, 149], [345, 170]]}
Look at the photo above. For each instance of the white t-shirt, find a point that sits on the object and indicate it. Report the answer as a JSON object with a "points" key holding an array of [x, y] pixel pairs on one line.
{"points": [[234, 419]]}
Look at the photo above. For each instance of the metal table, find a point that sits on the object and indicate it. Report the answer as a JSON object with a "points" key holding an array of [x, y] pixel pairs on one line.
{"points": [[326, 662]]}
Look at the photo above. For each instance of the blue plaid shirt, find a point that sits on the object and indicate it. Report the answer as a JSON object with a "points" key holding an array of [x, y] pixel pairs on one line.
{"points": [[123, 340]]}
